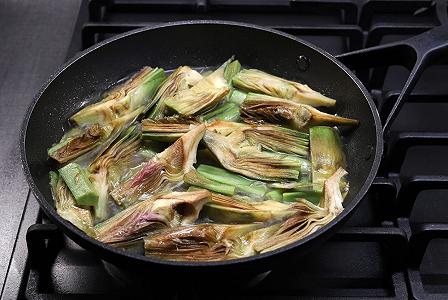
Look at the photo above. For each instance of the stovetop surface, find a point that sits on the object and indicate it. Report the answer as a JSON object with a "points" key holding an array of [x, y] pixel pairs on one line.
{"points": [[375, 255]]}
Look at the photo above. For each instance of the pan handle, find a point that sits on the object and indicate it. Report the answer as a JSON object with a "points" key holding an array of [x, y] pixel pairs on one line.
{"points": [[415, 54]]}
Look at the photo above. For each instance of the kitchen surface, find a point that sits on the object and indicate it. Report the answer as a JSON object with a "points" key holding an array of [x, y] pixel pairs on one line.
{"points": [[393, 247]]}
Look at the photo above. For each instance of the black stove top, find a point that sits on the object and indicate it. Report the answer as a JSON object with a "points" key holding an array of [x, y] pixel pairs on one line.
{"points": [[394, 246]]}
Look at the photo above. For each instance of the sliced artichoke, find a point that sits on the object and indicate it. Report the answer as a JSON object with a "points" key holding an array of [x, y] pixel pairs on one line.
{"points": [[309, 218], [66, 206], [136, 93], [202, 242], [181, 79], [167, 129], [250, 161], [162, 171], [78, 141], [169, 210], [228, 210], [275, 110], [327, 154], [269, 137], [101, 123], [126, 145], [205, 94], [253, 80]]}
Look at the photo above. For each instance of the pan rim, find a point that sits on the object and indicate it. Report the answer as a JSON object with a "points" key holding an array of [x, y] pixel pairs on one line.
{"points": [[75, 233]]}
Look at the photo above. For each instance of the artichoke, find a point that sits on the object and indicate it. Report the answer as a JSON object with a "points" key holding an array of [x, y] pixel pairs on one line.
{"points": [[162, 171], [167, 129], [65, 205], [253, 80], [169, 210], [327, 154], [99, 124], [202, 242], [205, 94], [181, 79], [258, 107], [269, 137], [235, 155]]}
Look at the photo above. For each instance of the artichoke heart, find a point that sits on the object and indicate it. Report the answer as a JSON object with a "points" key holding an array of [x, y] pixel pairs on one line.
{"points": [[205, 94], [253, 80], [169, 210], [162, 171], [235, 155], [269, 137], [270, 109], [181, 79]]}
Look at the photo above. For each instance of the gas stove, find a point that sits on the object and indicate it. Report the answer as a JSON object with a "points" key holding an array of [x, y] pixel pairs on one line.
{"points": [[394, 247]]}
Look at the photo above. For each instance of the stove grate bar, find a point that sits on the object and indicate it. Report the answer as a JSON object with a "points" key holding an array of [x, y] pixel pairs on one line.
{"points": [[411, 187], [400, 143], [92, 30]]}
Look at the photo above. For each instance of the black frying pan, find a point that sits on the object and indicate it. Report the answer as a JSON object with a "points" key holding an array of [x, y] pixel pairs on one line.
{"points": [[199, 43]]}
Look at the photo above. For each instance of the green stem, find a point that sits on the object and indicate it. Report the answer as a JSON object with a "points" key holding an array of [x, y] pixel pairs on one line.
{"points": [[195, 179], [224, 107], [242, 184], [237, 97], [232, 114], [312, 196]]}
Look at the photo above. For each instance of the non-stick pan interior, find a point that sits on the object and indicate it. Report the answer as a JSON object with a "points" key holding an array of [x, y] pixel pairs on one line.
{"points": [[196, 45]]}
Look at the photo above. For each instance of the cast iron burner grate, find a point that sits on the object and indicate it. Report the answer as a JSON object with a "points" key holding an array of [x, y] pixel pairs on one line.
{"points": [[382, 252]]}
